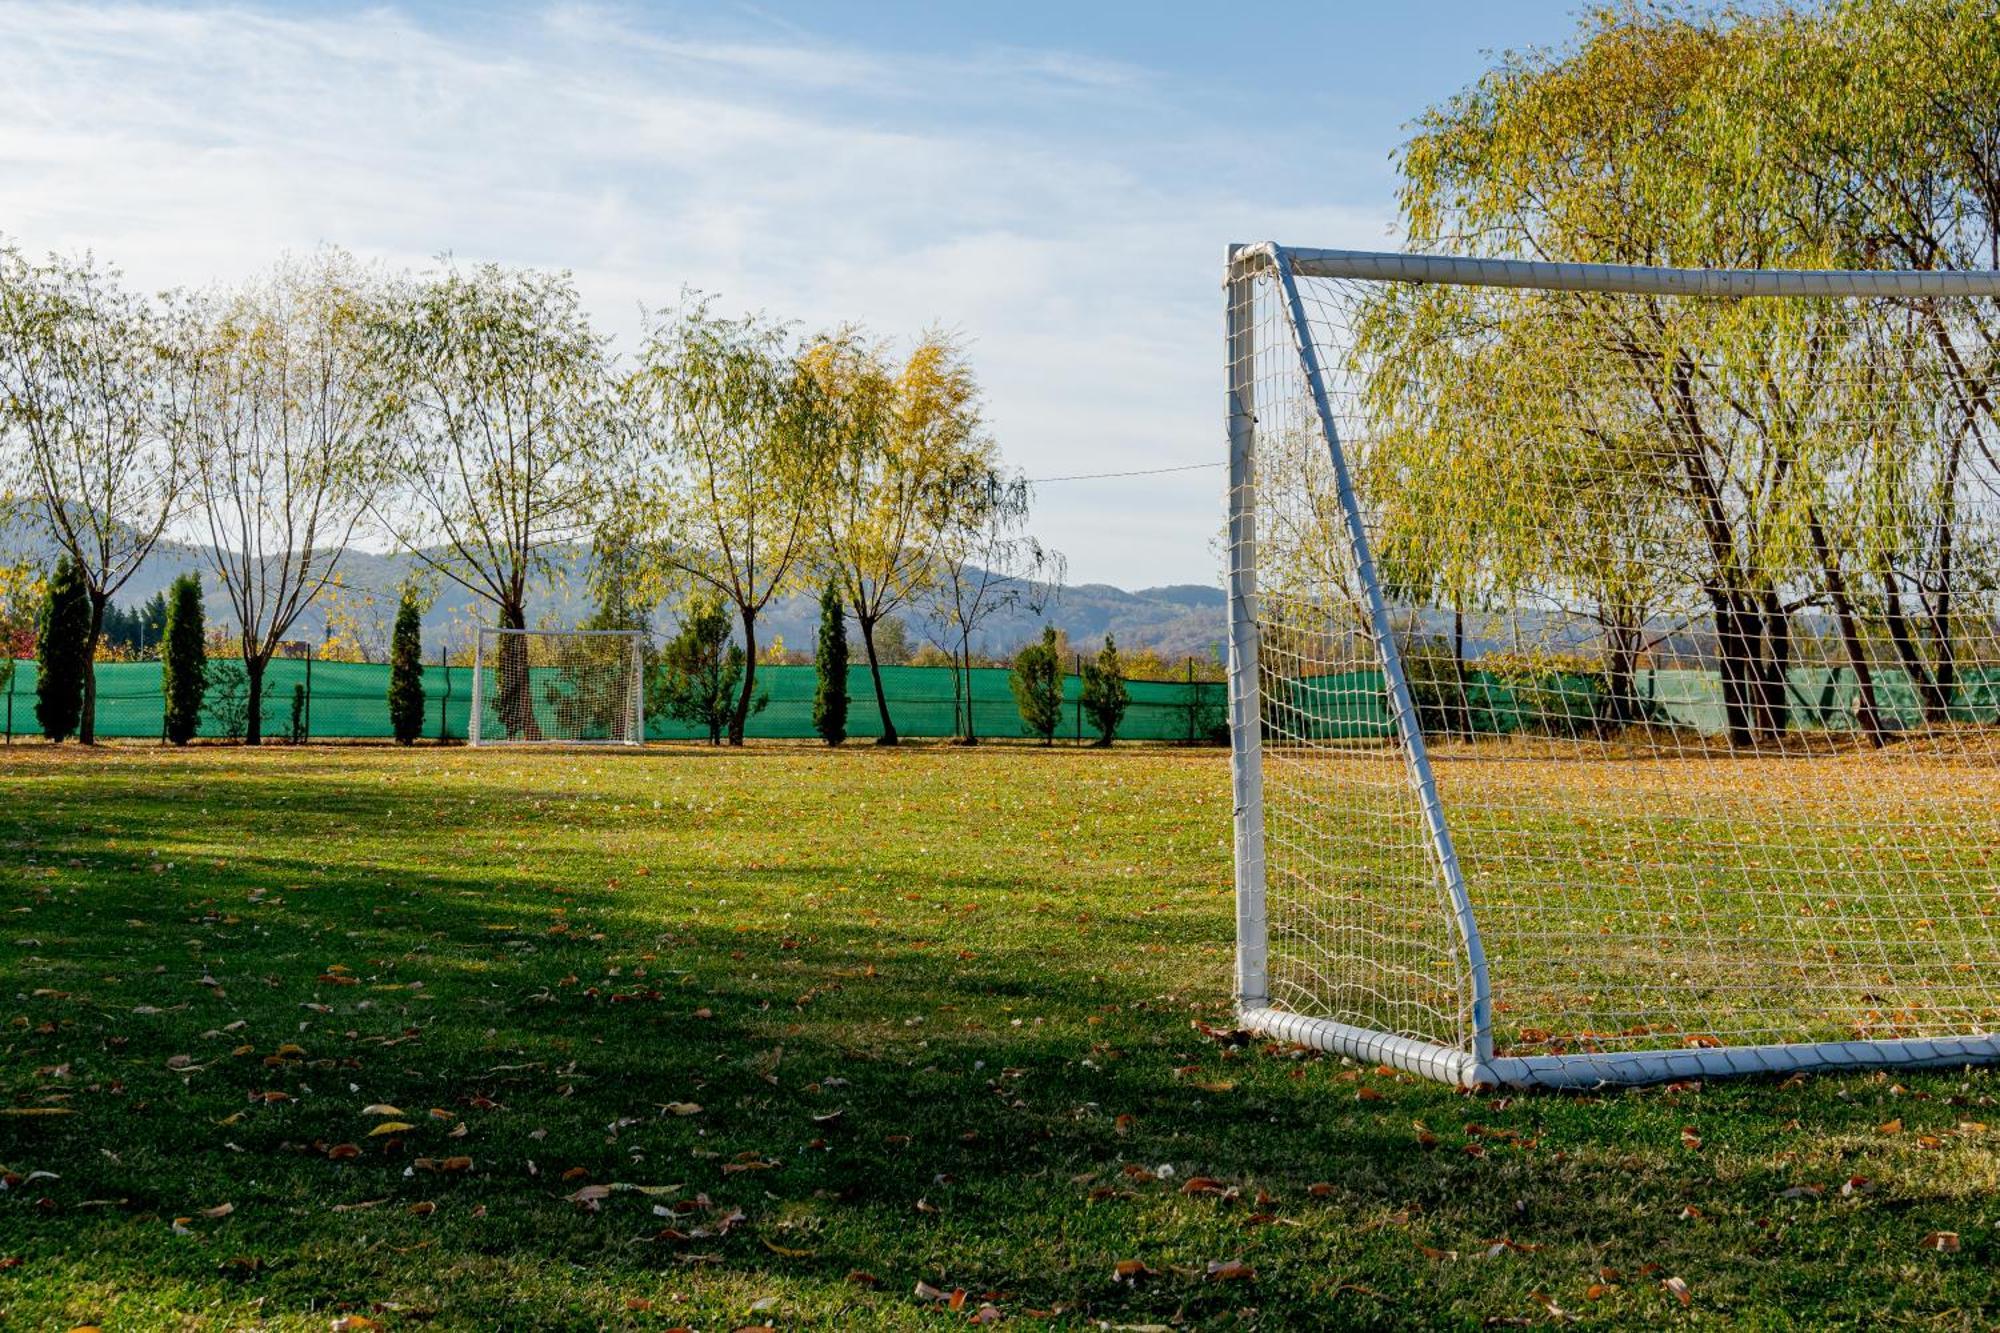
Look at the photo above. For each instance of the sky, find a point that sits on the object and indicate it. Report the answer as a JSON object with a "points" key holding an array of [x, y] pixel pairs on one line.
{"points": [[1055, 183]]}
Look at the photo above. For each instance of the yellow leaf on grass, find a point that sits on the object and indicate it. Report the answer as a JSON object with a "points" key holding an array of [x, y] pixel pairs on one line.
{"points": [[380, 1108], [390, 1127]]}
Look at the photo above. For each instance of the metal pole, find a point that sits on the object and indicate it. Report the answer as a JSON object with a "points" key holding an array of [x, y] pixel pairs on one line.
{"points": [[1402, 706], [1246, 740], [472, 721]]}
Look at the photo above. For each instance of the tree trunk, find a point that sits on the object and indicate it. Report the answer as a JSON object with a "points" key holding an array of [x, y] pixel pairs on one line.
{"points": [[888, 736], [1462, 718], [1621, 658], [1732, 647], [1774, 666], [740, 716], [253, 720], [1936, 703], [86, 731], [1865, 713], [970, 735], [516, 702]]}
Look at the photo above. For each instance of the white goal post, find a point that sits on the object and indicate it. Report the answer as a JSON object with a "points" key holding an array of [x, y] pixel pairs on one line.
{"points": [[558, 687], [1614, 663]]}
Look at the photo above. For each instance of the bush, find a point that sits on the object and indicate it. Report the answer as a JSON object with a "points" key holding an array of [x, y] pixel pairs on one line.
{"points": [[184, 673], [1037, 684], [228, 701], [830, 664], [62, 653], [299, 713], [406, 671], [703, 670], [1104, 693]]}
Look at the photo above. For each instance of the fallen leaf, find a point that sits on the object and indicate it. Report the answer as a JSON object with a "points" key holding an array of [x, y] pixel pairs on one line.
{"points": [[1229, 1270], [1679, 1289], [1947, 1241], [390, 1127]]}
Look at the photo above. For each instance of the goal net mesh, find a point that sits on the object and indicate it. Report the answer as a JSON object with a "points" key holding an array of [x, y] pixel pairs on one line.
{"points": [[1697, 600], [558, 687]]}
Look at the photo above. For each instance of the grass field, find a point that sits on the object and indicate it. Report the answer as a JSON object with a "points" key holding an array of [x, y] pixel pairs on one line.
{"points": [[823, 1040]]}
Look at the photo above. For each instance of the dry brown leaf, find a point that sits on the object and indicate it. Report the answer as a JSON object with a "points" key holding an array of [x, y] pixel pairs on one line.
{"points": [[1679, 1289], [1230, 1270], [220, 1210], [1946, 1241]]}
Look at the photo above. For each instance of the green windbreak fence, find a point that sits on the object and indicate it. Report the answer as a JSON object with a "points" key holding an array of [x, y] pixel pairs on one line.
{"points": [[1354, 705], [350, 701]]}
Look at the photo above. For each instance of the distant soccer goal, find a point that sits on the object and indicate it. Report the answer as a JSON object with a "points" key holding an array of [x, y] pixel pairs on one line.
{"points": [[558, 687], [1614, 665]]}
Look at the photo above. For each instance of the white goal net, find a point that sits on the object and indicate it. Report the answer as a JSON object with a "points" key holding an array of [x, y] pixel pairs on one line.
{"points": [[558, 687], [1615, 664]]}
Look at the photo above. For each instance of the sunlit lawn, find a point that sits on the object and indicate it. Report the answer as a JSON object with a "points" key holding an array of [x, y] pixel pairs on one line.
{"points": [[544, 1040]]}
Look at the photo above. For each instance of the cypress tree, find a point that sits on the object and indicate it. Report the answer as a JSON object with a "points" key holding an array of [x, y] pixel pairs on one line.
{"points": [[184, 659], [406, 671], [62, 651], [1104, 695], [830, 697], [1037, 684]]}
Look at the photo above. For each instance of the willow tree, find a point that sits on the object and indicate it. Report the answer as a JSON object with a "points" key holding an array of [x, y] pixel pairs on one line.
{"points": [[1886, 114], [988, 565], [494, 396], [1697, 435], [725, 469], [92, 407], [285, 445], [903, 438]]}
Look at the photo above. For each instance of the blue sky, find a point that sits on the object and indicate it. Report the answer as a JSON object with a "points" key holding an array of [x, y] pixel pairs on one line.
{"points": [[1054, 181]]}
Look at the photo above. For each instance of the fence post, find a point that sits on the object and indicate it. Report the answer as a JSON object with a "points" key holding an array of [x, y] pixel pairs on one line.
{"points": [[1194, 700], [1079, 698]]}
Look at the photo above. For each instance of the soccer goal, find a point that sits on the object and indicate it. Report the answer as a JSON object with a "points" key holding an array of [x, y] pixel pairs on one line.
{"points": [[558, 687], [1614, 665]]}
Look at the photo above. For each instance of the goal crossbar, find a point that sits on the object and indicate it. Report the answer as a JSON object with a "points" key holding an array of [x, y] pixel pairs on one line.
{"points": [[1359, 923], [1630, 279]]}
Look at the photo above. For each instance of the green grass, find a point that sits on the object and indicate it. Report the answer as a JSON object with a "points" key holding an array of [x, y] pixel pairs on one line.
{"points": [[936, 1011]]}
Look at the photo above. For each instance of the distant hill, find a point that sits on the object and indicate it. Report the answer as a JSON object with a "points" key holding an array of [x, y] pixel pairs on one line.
{"points": [[1174, 621]]}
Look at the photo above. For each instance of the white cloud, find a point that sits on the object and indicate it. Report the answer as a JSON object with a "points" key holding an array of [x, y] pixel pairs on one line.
{"points": [[1006, 194]]}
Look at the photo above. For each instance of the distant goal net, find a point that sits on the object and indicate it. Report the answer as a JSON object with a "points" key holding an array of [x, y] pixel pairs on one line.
{"points": [[1615, 665], [558, 687]]}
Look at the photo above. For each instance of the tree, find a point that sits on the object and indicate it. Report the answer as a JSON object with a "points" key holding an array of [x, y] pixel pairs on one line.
{"points": [[92, 397], [727, 460], [903, 441], [285, 444], [1104, 696], [1036, 680], [987, 563], [1729, 464], [703, 670], [62, 651], [496, 401], [406, 670], [830, 668], [184, 660]]}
